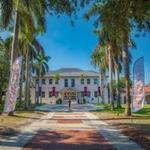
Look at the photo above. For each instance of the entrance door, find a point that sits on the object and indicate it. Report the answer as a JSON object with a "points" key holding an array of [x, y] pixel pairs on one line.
{"points": [[69, 94]]}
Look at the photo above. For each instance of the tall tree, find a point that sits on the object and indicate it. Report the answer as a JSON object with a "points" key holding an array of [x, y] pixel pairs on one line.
{"points": [[118, 18], [40, 66], [20, 13], [99, 59], [4, 65]]}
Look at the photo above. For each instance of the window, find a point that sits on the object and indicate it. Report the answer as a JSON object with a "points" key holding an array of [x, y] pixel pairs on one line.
{"points": [[82, 94], [88, 93], [50, 94], [43, 94], [56, 81], [50, 81], [66, 82], [82, 81], [95, 94], [88, 81], [43, 81], [95, 81], [37, 81], [72, 82]]}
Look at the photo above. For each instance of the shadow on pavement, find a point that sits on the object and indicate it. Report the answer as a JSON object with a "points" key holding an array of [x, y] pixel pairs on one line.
{"points": [[68, 140]]}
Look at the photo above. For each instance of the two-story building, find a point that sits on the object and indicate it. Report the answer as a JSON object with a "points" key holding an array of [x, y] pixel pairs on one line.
{"points": [[67, 83]]}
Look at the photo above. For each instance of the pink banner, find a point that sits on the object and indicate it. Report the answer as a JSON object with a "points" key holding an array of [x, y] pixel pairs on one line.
{"points": [[138, 85], [11, 96]]}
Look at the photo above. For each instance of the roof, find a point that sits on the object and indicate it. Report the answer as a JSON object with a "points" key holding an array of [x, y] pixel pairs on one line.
{"points": [[147, 89], [72, 72], [63, 70]]}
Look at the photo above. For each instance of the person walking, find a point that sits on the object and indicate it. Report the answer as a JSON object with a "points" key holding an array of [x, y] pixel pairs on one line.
{"points": [[69, 102]]}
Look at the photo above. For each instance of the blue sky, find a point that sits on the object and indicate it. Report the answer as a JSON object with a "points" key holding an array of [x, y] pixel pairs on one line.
{"points": [[67, 45], [143, 49], [72, 46]]}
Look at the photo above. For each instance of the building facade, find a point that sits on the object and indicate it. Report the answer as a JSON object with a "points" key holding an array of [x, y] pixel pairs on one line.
{"points": [[65, 84]]}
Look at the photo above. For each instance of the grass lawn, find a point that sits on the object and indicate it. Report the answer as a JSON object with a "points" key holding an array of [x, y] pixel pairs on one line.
{"points": [[12, 124], [137, 127]]}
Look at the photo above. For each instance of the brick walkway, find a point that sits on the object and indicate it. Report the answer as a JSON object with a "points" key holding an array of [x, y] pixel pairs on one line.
{"points": [[63, 130], [68, 131]]}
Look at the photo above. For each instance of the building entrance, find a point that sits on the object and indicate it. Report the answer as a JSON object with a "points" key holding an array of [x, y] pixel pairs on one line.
{"points": [[69, 94]]}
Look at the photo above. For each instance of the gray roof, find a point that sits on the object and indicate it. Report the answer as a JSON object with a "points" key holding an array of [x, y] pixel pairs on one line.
{"points": [[72, 72]]}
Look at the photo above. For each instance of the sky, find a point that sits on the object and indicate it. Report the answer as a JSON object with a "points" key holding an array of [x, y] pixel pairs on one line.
{"points": [[72, 46], [69, 46]]}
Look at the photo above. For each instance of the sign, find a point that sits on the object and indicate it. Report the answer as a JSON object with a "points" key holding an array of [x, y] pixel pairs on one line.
{"points": [[138, 85], [11, 95]]}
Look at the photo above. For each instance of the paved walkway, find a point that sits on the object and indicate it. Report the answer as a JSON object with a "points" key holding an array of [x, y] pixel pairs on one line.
{"points": [[69, 131]]}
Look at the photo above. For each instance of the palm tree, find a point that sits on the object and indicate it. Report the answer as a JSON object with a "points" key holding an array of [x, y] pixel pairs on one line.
{"points": [[33, 49], [4, 65], [117, 28], [99, 60], [29, 19], [119, 18], [28, 16], [56, 77], [117, 62], [40, 66]]}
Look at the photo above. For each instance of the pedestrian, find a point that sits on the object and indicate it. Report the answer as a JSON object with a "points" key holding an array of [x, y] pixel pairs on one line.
{"points": [[69, 103]]}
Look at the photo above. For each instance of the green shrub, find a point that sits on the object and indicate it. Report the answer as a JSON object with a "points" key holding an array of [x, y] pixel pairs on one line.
{"points": [[59, 101], [22, 105], [2, 106]]}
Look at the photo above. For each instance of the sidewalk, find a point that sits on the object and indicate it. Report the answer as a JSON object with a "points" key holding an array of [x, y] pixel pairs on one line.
{"points": [[69, 131]]}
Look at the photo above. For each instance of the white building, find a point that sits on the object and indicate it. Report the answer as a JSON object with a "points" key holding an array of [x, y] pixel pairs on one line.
{"points": [[68, 83]]}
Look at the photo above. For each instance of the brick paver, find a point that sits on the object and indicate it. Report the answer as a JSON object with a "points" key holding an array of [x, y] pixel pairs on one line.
{"points": [[70, 137], [68, 140]]}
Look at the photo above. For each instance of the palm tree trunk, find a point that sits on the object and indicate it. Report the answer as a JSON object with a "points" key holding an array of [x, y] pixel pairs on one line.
{"points": [[29, 77], [35, 98], [117, 88], [127, 75], [14, 45], [110, 79], [15, 39], [27, 96], [100, 84], [20, 89], [0, 96], [41, 93], [38, 88]]}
